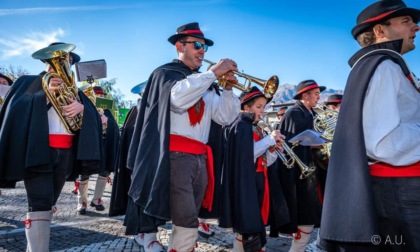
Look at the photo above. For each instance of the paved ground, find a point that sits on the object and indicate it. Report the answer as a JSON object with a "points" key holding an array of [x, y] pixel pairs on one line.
{"points": [[96, 231]]}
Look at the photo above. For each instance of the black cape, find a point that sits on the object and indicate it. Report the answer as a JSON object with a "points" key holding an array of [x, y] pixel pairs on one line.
{"points": [[111, 142], [148, 156], [24, 140], [301, 194], [349, 211], [122, 175], [240, 198]]}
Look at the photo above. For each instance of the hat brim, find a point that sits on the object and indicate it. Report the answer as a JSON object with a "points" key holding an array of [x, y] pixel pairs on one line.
{"points": [[174, 38], [138, 89], [255, 97], [360, 28], [321, 88], [7, 79]]}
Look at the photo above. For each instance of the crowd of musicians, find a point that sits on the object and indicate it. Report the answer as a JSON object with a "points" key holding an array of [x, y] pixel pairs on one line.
{"points": [[193, 150]]}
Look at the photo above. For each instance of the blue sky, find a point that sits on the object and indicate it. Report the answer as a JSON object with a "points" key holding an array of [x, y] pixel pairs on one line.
{"points": [[295, 40]]}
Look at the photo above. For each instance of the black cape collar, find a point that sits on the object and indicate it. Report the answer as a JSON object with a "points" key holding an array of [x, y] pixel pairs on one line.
{"points": [[195, 70], [247, 116], [394, 45]]}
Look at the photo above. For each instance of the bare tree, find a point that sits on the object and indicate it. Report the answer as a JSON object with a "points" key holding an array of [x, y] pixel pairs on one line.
{"points": [[13, 72]]}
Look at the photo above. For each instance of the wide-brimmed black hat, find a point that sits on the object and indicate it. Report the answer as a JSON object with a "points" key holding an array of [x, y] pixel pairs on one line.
{"points": [[382, 11], [334, 99], [252, 94], [7, 78], [76, 57], [191, 29], [305, 86]]}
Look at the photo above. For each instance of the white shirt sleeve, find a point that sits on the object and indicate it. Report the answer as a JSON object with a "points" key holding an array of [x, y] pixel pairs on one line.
{"points": [[391, 117], [261, 146], [225, 108], [185, 93]]}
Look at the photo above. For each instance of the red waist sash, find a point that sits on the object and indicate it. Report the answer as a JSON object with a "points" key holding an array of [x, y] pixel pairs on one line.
{"points": [[179, 143], [386, 170], [262, 167], [61, 141]]}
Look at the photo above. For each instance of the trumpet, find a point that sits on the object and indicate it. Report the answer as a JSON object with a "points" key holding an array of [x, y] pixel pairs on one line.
{"points": [[294, 159], [270, 86]]}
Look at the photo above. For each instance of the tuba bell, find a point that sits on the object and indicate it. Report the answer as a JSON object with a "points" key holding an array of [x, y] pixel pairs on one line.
{"points": [[57, 56], [270, 86], [325, 122]]}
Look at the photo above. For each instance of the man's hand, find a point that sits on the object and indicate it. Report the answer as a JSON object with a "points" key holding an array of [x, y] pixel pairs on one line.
{"points": [[55, 84], [73, 109], [223, 71]]}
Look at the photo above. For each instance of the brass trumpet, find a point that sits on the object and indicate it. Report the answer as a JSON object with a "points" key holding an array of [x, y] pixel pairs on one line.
{"points": [[270, 86], [294, 159]]}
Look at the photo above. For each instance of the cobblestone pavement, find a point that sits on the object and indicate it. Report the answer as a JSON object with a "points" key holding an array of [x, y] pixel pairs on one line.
{"points": [[95, 231]]}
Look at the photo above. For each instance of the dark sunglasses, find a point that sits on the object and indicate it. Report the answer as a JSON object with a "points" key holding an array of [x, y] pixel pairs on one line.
{"points": [[197, 45], [280, 114]]}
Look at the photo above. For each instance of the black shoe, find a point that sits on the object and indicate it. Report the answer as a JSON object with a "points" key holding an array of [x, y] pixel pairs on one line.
{"points": [[97, 207], [81, 209]]}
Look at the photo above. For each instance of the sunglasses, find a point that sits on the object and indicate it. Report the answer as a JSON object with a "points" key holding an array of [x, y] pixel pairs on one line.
{"points": [[197, 45], [280, 115]]}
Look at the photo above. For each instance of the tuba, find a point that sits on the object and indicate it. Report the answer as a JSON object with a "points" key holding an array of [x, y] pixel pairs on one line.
{"points": [[325, 122], [270, 86], [57, 56], [293, 158]]}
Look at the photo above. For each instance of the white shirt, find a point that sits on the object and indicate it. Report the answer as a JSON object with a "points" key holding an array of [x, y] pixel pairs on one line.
{"points": [[261, 147], [185, 93], [391, 117], [56, 126]]}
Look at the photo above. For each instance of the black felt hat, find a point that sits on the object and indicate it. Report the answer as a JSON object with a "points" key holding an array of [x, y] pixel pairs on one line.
{"points": [[380, 12], [98, 90], [334, 99], [191, 29], [7, 78], [253, 93], [305, 86]]}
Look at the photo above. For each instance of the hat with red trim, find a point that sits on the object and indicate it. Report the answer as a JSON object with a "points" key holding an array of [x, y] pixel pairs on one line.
{"points": [[305, 86], [380, 12], [191, 29], [252, 94], [334, 99]]}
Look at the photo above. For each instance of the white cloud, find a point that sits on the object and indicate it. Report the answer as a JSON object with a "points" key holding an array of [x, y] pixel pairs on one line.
{"points": [[23, 46]]}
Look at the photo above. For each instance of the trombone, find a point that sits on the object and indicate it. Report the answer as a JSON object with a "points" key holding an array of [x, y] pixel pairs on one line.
{"points": [[270, 86], [294, 159]]}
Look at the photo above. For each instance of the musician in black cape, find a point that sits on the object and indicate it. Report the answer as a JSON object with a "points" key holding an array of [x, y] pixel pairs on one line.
{"points": [[246, 192], [168, 152], [110, 139], [36, 147], [302, 194], [372, 202]]}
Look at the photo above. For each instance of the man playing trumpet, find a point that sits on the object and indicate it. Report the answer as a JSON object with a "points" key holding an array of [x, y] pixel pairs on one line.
{"points": [[168, 152]]}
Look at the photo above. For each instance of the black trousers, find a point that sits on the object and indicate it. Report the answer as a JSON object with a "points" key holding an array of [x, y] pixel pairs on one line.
{"points": [[44, 187]]}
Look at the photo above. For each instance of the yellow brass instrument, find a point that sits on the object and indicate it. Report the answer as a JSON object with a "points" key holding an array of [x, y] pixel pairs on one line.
{"points": [[325, 122], [294, 159], [88, 91], [270, 86], [57, 56]]}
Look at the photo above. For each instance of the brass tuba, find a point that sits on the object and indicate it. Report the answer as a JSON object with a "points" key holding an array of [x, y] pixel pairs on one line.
{"points": [[57, 56], [293, 158], [270, 86], [325, 122], [88, 91]]}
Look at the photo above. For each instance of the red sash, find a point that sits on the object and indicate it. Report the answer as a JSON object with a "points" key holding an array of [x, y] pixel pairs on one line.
{"points": [[386, 170], [61, 141], [262, 167], [184, 144]]}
